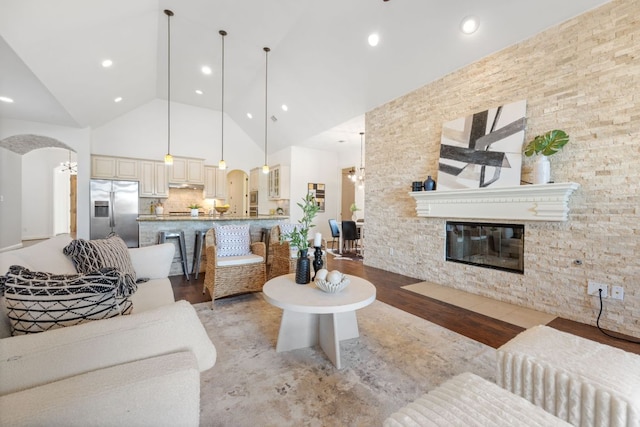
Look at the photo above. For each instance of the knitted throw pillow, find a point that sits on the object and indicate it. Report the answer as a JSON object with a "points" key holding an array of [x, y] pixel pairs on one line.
{"points": [[37, 301], [92, 255], [287, 229], [232, 240]]}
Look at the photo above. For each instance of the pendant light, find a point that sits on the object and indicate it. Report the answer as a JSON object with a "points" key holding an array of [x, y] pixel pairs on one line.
{"points": [[265, 168], [222, 165], [361, 174], [352, 174], [69, 166], [168, 158]]}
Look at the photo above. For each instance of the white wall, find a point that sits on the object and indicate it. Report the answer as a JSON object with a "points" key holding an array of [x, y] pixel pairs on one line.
{"points": [[315, 166], [10, 200], [38, 184], [76, 138], [195, 132]]}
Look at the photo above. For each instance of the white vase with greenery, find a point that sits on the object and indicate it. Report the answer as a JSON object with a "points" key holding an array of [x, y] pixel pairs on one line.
{"points": [[544, 146]]}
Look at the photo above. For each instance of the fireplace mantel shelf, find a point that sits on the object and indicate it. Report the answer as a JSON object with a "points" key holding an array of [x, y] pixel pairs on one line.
{"points": [[539, 202]]}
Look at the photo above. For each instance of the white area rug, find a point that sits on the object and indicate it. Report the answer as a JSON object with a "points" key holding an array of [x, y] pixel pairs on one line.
{"points": [[396, 359]]}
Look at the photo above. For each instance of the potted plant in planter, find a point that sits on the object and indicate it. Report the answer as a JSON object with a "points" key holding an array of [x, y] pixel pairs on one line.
{"points": [[353, 208], [545, 145], [299, 238], [194, 209]]}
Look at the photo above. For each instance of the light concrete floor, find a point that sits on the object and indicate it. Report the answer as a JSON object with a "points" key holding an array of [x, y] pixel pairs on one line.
{"points": [[520, 316]]}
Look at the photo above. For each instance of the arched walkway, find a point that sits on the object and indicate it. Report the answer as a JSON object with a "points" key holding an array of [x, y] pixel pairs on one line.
{"points": [[22, 144]]}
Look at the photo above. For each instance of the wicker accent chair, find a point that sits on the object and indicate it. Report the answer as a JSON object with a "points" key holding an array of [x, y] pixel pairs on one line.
{"points": [[280, 254], [225, 277]]}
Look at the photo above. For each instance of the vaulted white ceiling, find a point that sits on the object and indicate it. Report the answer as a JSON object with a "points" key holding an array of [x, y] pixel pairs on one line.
{"points": [[320, 64]]}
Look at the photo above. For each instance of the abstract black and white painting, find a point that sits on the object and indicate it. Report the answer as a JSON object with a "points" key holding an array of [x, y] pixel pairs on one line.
{"points": [[483, 149]]}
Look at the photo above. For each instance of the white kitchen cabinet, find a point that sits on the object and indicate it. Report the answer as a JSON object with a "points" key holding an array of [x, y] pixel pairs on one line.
{"points": [[278, 182], [114, 168], [186, 171], [215, 183], [153, 179], [254, 179], [221, 184]]}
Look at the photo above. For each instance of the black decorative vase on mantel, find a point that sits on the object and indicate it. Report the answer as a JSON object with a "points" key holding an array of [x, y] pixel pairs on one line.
{"points": [[303, 268], [429, 184]]}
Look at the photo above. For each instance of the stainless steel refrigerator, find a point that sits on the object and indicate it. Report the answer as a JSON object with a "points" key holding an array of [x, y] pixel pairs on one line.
{"points": [[114, 208]]}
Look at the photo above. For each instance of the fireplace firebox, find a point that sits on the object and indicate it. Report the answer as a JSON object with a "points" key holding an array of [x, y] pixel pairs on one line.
{"points": [[497, 246]]}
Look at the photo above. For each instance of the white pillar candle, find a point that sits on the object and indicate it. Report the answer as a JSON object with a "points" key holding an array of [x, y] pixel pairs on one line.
{"points": [[318, 240]]}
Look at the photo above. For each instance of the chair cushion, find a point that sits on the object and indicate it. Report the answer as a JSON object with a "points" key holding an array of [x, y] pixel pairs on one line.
{"points": [[37, 301], [92, 255], [232, 240], [239, 260]]}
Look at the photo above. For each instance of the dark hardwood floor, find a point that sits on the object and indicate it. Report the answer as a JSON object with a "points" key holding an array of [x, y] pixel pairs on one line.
{"points": [[388, 285]]}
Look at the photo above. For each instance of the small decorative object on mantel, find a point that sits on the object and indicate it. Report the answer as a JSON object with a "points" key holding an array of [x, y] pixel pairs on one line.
{"points": [[545, 145], [416, 186], [331, 282], [429, 184], [194, 209], [298, 238]]}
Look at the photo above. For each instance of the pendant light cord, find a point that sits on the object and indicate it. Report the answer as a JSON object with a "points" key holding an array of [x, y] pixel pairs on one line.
{"points": [[169, 15], [266, 73], [222, 33]]}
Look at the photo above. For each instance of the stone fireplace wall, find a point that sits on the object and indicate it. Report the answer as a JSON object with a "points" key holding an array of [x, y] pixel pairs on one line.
{"points": [[582, 76]]}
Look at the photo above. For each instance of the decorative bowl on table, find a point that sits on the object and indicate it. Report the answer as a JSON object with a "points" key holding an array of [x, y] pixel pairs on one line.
{"points": [[335, 282], [221, 209]]}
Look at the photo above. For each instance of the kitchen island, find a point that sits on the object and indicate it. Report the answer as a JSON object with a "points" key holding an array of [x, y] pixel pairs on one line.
{"points": [[151, 225]]}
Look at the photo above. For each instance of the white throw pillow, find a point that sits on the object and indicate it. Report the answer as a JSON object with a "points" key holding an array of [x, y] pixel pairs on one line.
{"points": [[232, 240], [287, 229]]}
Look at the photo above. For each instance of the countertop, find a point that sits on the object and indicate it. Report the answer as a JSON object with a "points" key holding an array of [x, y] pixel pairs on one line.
{"points": [[224, 217]]}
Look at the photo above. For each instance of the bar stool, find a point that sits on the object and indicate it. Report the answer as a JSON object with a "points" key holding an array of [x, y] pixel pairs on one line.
{"points": [[197, 252], [174, 234]]}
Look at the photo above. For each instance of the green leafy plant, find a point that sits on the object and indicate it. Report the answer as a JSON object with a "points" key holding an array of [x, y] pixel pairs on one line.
{"points": [[353, 207], [194, 206], [547, 144], [299, 236]]}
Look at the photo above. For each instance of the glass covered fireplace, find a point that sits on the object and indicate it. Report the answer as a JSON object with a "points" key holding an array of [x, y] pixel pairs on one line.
{"points": [[498, 246]]}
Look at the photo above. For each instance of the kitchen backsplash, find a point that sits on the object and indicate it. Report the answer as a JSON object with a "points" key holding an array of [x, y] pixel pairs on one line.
{"points": [[180, 198], [178, 201]]}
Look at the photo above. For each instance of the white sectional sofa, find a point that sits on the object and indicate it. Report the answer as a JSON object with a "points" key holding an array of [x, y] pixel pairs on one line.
{"points": [[139, 369]]}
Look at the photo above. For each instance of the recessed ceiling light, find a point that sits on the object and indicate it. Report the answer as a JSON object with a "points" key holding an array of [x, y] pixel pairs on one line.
{"points": [[107, 63], [6, 99], [199, 92], [469, 25], [250, 115], [118, 99], [206, 70], [374, 39], [284, 107]]}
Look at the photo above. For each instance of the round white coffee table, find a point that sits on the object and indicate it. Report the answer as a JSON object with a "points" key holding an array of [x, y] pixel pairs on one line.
{"points": [[311, 316]]}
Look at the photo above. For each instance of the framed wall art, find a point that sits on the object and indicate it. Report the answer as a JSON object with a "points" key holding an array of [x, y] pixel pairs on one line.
{"points": [[317, 191], [483, 149]]}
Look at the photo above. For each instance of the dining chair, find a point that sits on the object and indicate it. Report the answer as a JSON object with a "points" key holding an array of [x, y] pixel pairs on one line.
{"points": [[349, 234], [335, 231]]}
